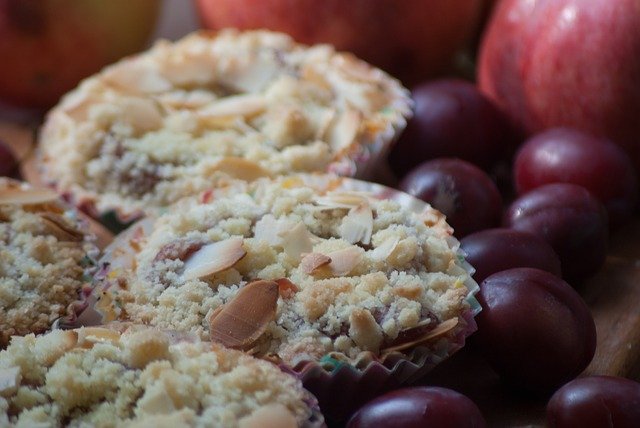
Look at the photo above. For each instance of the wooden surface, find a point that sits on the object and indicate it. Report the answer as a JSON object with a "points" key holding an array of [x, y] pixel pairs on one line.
{"points": [[613, 296]]}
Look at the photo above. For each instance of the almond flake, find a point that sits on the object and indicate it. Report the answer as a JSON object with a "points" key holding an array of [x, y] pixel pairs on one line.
{"points": [[59, 227], [343, 261], [136, 77], [384, 250], [313, 261], [440, 330], [240, 168], [345, 130], [246, 105], [251, 77], [346, 200], [270, 230], [10, 379], [89, 336], [286, 288], [143, 114], [26, 196], [364, 330], [273, 415], [297, 241], [241, 321], [213, 258], [357, 225]]}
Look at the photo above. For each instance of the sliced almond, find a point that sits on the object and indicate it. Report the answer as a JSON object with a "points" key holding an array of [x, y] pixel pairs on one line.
{"points": [[136, 77], [344, 130], [59, 227], [89, 336], [245, 318], [364, 330], [346, 200], [313, 261], [270, 230], [10, 379], [252, 76], [286, 288], [345, 260], [240, 168], [297, 241], [357, 225], [273, 415], [213, 258], [26, 196], [384, 250], [439, 331], [246, 105], [143, 114]]}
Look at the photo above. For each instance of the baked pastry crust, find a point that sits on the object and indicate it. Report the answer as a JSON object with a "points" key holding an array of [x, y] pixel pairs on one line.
{"points": [[46, 252], [169, 122], [136, 376], [357, 277]]}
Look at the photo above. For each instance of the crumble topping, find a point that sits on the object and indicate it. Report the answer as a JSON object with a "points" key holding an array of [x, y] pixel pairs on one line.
{"points": [[167, 123]]}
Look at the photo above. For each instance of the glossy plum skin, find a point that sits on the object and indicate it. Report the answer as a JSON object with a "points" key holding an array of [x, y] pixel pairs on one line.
{"points": [[460, 190], [8, 162], [565, 155], [419, 407], [494, 250], [571, 220], [452, 119], [594, 402], [534, 329]]}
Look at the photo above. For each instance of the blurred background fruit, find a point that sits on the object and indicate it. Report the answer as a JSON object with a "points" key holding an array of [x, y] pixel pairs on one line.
{"points": [[8, 161], [48, 46], [453, 119], [565, 155], [412, 39], [567, 63]]}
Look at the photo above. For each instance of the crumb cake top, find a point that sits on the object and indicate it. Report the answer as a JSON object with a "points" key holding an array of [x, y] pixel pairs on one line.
{"points": [[293, 271], [165, 123], [137, 376], [44, 251]]}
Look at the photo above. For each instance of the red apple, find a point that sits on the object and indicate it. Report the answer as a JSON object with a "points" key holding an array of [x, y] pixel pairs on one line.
{"points": [[47, 46], [567, 63], [413, 39]]}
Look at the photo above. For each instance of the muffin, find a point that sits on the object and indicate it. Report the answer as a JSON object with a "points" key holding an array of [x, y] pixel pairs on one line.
{"points": [[46, 256], [301, 269], [136, 376], [171, 121]]}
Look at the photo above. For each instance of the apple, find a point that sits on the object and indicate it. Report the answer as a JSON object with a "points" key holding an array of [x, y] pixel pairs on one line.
{"points": [[48, 46], [570, 63], [412, 39]]}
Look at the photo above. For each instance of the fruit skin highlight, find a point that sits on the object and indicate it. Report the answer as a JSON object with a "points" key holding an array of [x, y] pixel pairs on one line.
{"points": [[48, 46], [411, 39], [567, 63]]}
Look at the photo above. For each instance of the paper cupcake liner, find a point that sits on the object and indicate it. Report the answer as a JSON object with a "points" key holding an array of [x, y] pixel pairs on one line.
{"points": [[344, 389], [315, 420], [340, 387]]}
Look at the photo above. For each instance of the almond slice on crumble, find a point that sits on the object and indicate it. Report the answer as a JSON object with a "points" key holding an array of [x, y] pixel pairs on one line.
{"points": [[239, 323], [213, 258]]}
